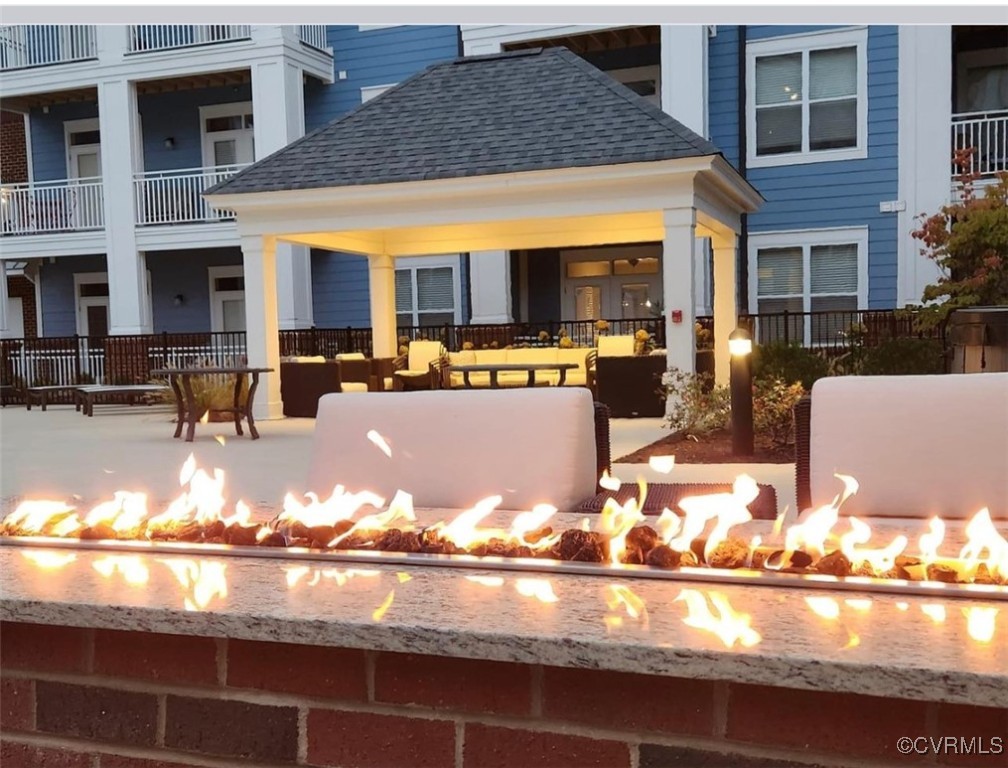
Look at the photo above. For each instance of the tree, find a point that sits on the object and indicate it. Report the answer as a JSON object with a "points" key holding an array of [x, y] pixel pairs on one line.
{"points": [[968, 240]]}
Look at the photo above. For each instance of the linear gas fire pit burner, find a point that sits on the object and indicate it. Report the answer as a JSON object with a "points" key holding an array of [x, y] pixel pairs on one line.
{"points": [[705, 575], [709, 539]]}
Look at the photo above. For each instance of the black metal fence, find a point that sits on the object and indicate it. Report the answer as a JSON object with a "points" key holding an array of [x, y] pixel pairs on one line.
{"points": [[71, 360]]}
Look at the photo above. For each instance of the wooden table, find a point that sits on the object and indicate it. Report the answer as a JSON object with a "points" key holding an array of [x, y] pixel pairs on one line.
{"points": [[181, 381], [494, 369]]}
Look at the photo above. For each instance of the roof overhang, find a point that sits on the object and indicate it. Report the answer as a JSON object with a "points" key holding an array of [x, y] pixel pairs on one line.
{"points": [[569, 206]]}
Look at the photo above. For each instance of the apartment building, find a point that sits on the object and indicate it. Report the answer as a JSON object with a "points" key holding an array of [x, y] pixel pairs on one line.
{"points": [[847, 132]]}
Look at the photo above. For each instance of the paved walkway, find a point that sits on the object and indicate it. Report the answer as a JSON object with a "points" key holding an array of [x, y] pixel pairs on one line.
{"points": [[60, 453]]}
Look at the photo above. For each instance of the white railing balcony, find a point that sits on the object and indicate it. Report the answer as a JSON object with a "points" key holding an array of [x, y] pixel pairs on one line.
{"points": [[68, 205], [176, 196], [314, 35], [41, 45], [986, 133], [144, 38]]}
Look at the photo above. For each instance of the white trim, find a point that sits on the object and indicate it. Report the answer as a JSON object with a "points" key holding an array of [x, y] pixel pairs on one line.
{"points": [[217, 297], [806, 238], [481, 39], [230, 109], [857, 37], [30, 161], [414, 263], [373, 27], [81, 303], [38, 302], [71, 127], [369, 92]]}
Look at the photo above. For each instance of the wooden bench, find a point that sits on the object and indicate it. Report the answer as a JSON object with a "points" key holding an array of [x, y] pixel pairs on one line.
{"points": [[87, 396], [41, 394]]}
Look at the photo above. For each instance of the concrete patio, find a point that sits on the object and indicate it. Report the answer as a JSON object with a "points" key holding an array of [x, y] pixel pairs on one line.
{"points": [[60, 453]]}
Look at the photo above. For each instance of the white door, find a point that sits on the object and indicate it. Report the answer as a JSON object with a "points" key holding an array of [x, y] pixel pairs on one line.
{"points": [[227, 299], [85, 161], [228, 135], [15, 318]]}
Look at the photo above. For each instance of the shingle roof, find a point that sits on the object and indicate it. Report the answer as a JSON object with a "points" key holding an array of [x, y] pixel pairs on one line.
{"points": [[530, 110]]}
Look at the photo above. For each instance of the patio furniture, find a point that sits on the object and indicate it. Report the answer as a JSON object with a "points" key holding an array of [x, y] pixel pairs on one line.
{"points": [[631, 385], [355, 372], [303, 383], [188, 412], [417, 369], [41, 395], [661, 496], [547, 359], [918, 445], [88, 396], [608, 346], [451, 449], [526, 371]]}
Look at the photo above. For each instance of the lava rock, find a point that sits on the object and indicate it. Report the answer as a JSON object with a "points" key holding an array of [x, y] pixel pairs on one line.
{"points": [[100, 531], [800, 559], [906, 561], [833, 564], [983, 575], [582, 546], [275, 539], [214, 530], [295, 529], [534, 537], [943, 573], [632, 556], [663, 556], [188, 532], [321, 535], [394, 540], [689, 560], [730, 553], [241, 535], [643, 537]]}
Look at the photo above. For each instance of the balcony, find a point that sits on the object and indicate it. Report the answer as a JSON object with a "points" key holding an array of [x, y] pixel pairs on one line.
{"points": [[144, 38], [68, 205], [986, 133], [314, 35], [25, 46], [176, 196]]}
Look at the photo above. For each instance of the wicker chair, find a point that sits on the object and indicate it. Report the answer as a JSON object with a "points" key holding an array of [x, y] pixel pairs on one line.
{"points": [[419, 367]]}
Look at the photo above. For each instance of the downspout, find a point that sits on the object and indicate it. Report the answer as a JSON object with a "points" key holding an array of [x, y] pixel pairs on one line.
{"points": [[742, 276]]}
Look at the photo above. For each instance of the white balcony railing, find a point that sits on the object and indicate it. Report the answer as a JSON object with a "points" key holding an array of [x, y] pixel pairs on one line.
{"points": [[176, 196], [40, 45], [986, 133], [163, 37], [313, 35], [68, 205]]}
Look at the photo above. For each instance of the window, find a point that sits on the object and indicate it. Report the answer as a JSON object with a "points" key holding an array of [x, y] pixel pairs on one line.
{"points": [[821, 271], [427, 295], [227, 134], [807, 98]]}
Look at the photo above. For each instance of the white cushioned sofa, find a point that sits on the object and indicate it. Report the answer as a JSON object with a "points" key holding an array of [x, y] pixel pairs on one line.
{"points": [[576, 377]]}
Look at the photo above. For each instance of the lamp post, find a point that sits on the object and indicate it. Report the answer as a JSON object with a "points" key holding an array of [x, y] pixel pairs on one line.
{"points": [[740, 349]]}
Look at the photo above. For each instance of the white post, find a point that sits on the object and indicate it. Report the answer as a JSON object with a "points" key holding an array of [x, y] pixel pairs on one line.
{"points": [[684, 74], [118, 119], [725, 306], [490, 279], [4, 323], [278, 107], [261, 330], [677, 280], [381, 275]]}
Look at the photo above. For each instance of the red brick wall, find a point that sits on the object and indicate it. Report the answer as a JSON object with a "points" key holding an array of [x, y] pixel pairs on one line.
{"points": [[104, 699], [19, 285], [13, 149]]}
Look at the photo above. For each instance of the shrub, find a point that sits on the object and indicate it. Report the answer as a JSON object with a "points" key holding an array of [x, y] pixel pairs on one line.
{"points": [[211, 392], [790, 363], [773, 406], [897, 357], [697, 407]]}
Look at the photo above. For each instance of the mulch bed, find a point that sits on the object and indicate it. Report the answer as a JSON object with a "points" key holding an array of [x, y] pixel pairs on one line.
{"points": [[715, 448]]}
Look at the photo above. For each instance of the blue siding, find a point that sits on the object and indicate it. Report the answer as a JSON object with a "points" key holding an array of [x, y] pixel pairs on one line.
{"points": [[828, 194], [176, 115], [59, 305], [340, 290], [375, 57], [48, 140], [185, 273]]}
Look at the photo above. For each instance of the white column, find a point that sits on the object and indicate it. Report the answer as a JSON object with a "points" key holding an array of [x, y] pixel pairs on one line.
{"points": [[381, 282], [925, 147], [725, 307], [278, 107], [261, 330], [4, 323], [677, 282], [490, 280], [684, 74], [119, 124], [702, 277]]}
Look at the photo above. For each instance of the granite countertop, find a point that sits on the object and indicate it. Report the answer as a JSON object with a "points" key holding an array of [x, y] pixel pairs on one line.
{"points": [[884, 645]]}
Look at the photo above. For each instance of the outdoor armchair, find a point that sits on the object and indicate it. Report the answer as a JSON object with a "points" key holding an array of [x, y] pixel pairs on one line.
{"points": [[419, 367]]}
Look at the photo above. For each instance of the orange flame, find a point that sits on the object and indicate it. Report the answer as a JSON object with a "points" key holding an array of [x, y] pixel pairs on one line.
{"points": [[540, 589], [663, 464], [381, 610], [203, 580], [725, 622], [131, 567], [880, 560], [50, 561], [981, 623]]}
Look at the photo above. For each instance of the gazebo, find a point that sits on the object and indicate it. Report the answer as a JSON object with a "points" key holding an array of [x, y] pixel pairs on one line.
{"points": [[532, 149]]}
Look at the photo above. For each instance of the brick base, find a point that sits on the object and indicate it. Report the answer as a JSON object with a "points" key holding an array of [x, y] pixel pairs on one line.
{"points": [[100, 699]]}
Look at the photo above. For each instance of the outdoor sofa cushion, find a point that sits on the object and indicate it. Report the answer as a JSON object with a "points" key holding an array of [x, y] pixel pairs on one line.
{"points": [[576, 356], [918, 445], [452, 449], [615, 346]]}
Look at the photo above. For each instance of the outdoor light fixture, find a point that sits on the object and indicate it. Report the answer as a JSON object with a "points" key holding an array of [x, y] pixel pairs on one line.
{"points": [[169, 143], [179, 300], [740, 347]]}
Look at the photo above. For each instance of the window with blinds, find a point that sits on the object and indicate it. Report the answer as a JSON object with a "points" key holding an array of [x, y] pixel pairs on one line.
{"points": [[809, 99], [425, 296]]}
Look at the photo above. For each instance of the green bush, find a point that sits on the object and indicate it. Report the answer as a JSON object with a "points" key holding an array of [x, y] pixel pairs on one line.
{"points": [[696, 406], [900, 357], [773, 407], [790, 363]]}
